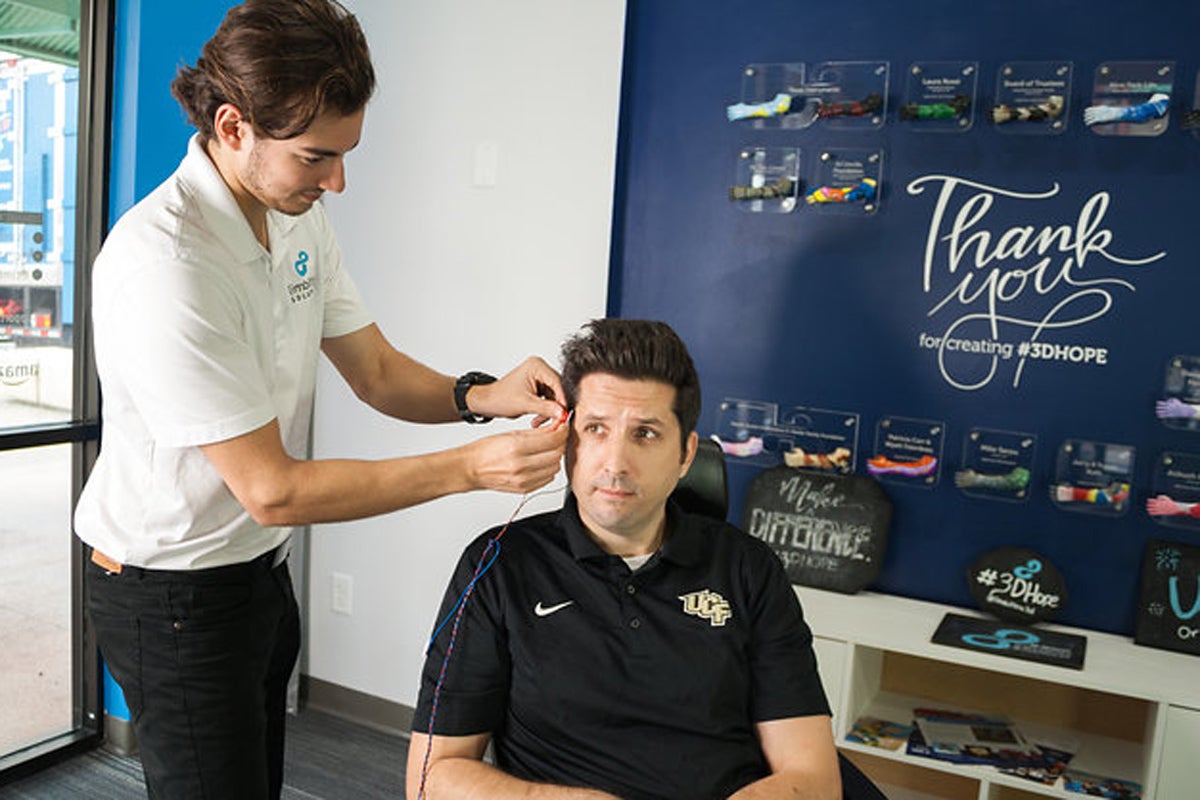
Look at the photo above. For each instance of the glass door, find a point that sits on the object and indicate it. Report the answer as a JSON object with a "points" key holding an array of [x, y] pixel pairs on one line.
{"points": [[52, 129]]}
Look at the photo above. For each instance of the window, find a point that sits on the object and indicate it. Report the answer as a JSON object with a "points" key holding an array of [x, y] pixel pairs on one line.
{"points": [[52, 140]]}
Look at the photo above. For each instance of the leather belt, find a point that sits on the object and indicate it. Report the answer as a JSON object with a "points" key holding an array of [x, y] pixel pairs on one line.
{"points": [[264, 562]]}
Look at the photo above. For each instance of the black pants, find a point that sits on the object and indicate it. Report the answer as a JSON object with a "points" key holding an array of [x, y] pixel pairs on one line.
{"points": [[204, 659]]}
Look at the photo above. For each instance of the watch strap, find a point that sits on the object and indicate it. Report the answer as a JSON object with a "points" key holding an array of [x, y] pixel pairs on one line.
{"points": [[461, 387]]}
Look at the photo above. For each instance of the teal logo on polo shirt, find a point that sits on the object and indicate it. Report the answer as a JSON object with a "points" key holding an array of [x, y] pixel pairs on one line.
{"points": [[303, 289]]}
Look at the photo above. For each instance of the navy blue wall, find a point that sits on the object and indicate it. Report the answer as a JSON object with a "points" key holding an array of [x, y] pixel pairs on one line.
{"points": [[825, 310]]}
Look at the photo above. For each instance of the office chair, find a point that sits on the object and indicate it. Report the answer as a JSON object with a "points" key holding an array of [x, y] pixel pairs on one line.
{"points": [[705, 490]]}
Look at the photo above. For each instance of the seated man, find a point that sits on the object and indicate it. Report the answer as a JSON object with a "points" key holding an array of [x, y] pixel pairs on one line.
{"points": [[619, 648]]}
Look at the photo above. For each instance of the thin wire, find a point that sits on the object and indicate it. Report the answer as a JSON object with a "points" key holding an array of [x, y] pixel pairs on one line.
{"points": [[460, 606]]}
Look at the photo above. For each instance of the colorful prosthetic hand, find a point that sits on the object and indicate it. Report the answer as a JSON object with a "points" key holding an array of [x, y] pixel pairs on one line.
{"points": [[1115, 494], [882, 465], [955, 108], [1014, 480], [777, 105], [1164, 506], [1155, 107], [784, 187], [862, 192], [1039, 113], [839, 459], [1174, 408]]}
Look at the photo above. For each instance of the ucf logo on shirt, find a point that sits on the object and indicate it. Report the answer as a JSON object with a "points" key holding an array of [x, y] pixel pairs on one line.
{"points": [[707, 605]]}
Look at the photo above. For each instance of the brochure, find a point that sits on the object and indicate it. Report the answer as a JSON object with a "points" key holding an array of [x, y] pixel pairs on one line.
{"points": [[1100, 786], [971, 738], [875, 732]]}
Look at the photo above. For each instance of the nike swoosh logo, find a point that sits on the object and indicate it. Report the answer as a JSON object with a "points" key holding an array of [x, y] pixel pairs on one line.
{"points": [[545, 611]]}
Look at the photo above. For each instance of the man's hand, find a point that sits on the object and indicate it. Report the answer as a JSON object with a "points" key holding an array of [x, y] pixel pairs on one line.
{"points": [[456, 772], [517, 461], [532, 388]]}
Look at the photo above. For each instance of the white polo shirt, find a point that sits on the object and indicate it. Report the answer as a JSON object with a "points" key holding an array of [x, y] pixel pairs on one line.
{"points": [[201, 335]]}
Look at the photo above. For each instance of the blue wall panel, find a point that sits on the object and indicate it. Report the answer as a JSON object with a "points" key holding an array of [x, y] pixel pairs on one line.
{"points": [[151, 40], [824, 310]]}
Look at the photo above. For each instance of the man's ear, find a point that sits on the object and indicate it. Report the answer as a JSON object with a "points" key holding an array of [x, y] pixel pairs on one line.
{"points": [[689, 453], [231, 128]]}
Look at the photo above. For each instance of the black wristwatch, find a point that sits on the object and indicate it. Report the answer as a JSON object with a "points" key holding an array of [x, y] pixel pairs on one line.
{"points": [[461, 386]]}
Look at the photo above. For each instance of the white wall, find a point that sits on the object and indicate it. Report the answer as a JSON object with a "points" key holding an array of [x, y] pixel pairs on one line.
{"points": [[458, 276]]}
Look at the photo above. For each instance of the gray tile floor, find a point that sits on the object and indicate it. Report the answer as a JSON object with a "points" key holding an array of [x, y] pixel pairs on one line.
{"points": [[327, 759]]}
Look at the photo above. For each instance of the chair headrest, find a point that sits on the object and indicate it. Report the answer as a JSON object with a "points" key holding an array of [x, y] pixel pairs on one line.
{"points": [[705, 487]]}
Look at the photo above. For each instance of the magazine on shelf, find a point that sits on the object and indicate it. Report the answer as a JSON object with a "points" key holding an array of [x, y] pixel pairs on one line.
{"points": [[970, 738], [875, 732], [1047, 770], [1099, 786]]}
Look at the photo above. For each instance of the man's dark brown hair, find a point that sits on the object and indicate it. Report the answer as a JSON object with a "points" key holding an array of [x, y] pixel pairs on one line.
{"points": [[282, 63], [634, 349]]}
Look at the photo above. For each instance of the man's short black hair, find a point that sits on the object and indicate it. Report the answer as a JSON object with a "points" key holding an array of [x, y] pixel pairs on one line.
{"points": [[634, 349]]}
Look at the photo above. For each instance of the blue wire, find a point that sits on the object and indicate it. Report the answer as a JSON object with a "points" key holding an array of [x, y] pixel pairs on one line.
{"points": [[465, 592]]}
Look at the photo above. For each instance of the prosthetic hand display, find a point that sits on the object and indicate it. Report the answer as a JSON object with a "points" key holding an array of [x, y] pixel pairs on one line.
{"points": [[1115, 494], [955, 108], [777, 106], [1155, 107], [839, 459], [1174, 408], [784, 187], [871, 104], [1164, 506], [750, 447], [1039, 113], [1014, 480], [882, 465], [862, 192]]}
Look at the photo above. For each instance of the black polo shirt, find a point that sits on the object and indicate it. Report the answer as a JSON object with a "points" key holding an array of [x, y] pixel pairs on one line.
{"points": [[643, 684]]}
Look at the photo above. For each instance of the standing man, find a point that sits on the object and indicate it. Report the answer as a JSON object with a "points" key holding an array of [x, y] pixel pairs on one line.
{"points": [[212, 298], [620, 648]]}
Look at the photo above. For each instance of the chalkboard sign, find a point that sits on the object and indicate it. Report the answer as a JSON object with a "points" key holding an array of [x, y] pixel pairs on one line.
{"points": [[1017, 584], [1169, 611], [829, 530]]}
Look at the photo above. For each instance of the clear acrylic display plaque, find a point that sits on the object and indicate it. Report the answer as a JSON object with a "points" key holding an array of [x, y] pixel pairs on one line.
{"points": [[853, 94], [1175, 491], [1125, 86], [1179, 404], [908, 452], [755, 432], [767, 180], [940, 96], [1033, 98], [996, 465], [1093, 477], [845, 180]]}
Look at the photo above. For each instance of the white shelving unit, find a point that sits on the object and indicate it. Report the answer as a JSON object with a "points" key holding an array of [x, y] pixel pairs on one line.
{"points": [[1132, 712]]}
